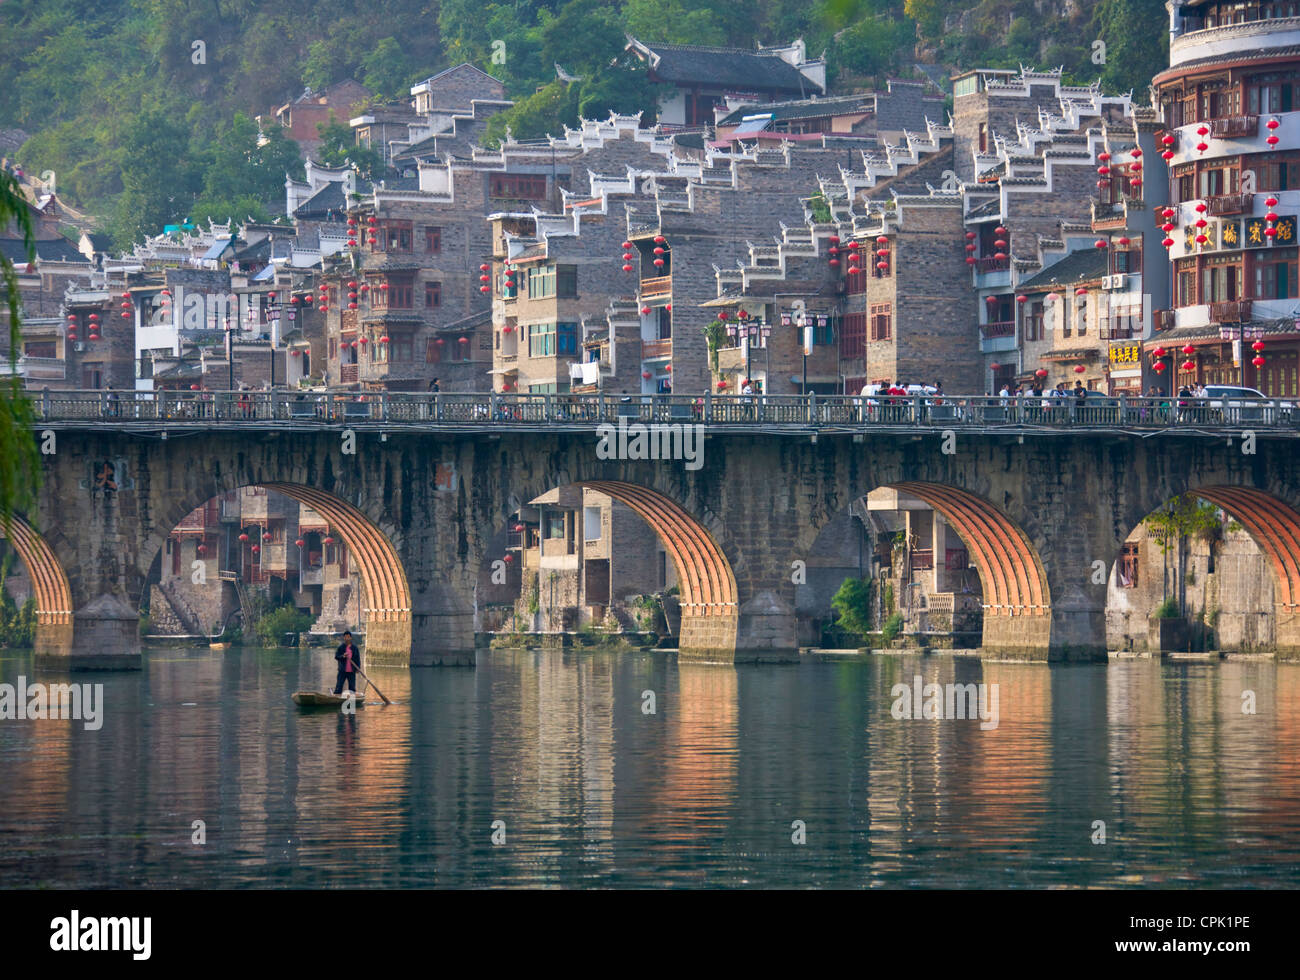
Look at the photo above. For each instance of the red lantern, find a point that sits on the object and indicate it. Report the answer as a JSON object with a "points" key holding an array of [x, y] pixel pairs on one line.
{"points": [[1272, 124], [1168, 212], [1081, 291], [1189, 350], [94, 336], [659, 262], [1125, 241], [1202, 131], [1022, 299], [970, 236], [484, 289], [627, 268], [1041, 373], [1270, 232], [517, 528], [1158, 367], [329, 539], [1103, 170], [243, 537], [383, 286], [301, 543], [194, 388], [1201, 239], [352, 222], [854, 246], [1169, 139], [1000, 244], [505, 386], [628, 256], [1135, 153], [645, 311], [646, 375], [1271, 140], [352, 306], [970, 260], [1257, 346], [363, 341], [659, 250], [659, 239], [72, 317], [668, 307], [200, 549], [995, 367], [93, 317], [295, 353], [1100, 243], [990, 300], [509, 558], [464, 340], [266, 536], [1000, 256], [507, 329], [1103, 157], [1168, 154], [372, 220], [1000, 231], [834, 239], [882, 266], [1202, 147], [626, 246], [384, 339], [880, 240], [1079, 369], [1271, 216], [126, 295], [1189, 365], [1168, 243], [1257, 361], [668, 369], [970, 248], [1270, 202]]}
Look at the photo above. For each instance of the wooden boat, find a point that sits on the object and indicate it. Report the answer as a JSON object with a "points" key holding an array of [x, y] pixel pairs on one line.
{"points": [[322, 699], [219, 646]]}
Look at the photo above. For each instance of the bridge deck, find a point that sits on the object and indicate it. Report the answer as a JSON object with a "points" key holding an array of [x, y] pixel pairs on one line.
{"points": [[783, 414]]}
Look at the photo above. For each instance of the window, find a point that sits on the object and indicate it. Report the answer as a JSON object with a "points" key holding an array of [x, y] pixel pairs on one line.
{"points": [[887, 261], [1127, 260], [541, 282], [334, 347], [984, 137], [1220, 180], [40, 348], [853, 338], [403, 349], [397, 296], [433, 294], [823, 330], [857, 282], [91, 378], [541, 340], [881, 322], [554, 525], [1275, 275], [1272, 174], [1184, 185], [1185, 282], [1034, 321], [1128, 566], [566, 281], [1126, 322], [1220, 282], [566, 338], [526, 187], [394, 236], [432, 238]]}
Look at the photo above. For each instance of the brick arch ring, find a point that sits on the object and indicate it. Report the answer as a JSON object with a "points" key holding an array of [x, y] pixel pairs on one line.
{"points": [[708, 585], [1010, 571], [1275, 528], [387, 594], [50, 585]]}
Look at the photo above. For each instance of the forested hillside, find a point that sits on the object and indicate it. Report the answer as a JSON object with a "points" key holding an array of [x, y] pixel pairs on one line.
{"points": [[144, 109]]}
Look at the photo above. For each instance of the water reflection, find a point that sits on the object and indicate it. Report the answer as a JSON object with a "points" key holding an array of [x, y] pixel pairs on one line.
{"points": [[548, 768]]}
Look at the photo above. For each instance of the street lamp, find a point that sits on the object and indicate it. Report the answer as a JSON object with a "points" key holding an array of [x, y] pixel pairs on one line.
{"points": [[801, 322], [751, 330]]}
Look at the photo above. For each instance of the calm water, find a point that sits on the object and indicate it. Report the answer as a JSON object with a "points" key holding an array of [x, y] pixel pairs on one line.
{"points": [[594, 792]]}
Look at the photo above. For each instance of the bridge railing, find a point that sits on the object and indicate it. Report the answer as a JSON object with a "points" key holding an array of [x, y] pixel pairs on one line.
{"points": [[807, 411]]}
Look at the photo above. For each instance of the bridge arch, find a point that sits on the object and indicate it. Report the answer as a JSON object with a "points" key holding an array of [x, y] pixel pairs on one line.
{"points": [[386, 594], [705, 576], [1273, 525], [50, 587]]}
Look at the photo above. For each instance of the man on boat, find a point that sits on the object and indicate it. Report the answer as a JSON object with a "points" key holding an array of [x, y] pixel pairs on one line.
{"points": [[349, 658]]}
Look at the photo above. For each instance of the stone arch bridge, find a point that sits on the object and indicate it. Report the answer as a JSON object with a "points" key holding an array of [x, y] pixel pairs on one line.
{"points": [[418, 506]]}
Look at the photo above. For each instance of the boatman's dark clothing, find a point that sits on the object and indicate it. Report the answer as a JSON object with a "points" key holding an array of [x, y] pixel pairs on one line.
{"points": [[349, 658]]}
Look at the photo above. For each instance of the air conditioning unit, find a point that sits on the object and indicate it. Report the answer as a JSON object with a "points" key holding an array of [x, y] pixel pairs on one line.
{"points": [[1117, 281], [78, 346], [1106, 281]]}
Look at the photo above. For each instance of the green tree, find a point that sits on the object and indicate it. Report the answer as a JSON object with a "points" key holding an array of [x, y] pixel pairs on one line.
{"points": [[160, 179], [1137, 45], [674, 22], [339, 148], [852, 605], [20, 466], [386, 70]]}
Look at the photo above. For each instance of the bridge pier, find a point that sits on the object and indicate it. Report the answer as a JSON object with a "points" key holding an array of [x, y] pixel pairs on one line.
{"points": [[1064, 634], [763, 631], [103, 635], [1286, 632]]}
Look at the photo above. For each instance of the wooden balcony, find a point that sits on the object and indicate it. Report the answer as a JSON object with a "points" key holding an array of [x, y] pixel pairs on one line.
{"points": [[1233, 126], [657, 286], [651, 349], [1230, 204], [992, 264], [1235, 311], [922, 560], [347, 374], [999, 328]]}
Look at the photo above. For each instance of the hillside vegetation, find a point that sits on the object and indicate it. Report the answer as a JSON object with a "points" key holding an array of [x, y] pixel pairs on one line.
{"points": [[144, 109]]}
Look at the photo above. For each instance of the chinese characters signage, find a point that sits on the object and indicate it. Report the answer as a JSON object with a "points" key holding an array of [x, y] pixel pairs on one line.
{"points": [[1254, 236], [1125, 354]]}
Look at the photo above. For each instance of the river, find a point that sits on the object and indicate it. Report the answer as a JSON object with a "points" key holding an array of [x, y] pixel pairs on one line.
{"points": [[599, 768]]}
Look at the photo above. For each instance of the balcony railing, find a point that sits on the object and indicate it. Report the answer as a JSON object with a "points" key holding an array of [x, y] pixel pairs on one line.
{"points": [[1230, 204], [1236, 311], [993, 264], [999, 328], [42, 368], [656, 348], [1230, 126], [922, 560], [657, 286], [348, 373]]}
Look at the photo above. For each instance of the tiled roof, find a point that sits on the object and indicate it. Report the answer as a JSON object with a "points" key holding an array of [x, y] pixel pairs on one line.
{"points": [[326, 201], [53, 250], [745, 70], [803, 108], [1083, 265]]}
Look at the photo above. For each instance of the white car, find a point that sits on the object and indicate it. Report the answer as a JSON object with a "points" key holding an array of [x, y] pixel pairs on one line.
{"points": [[1248, 404]]}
